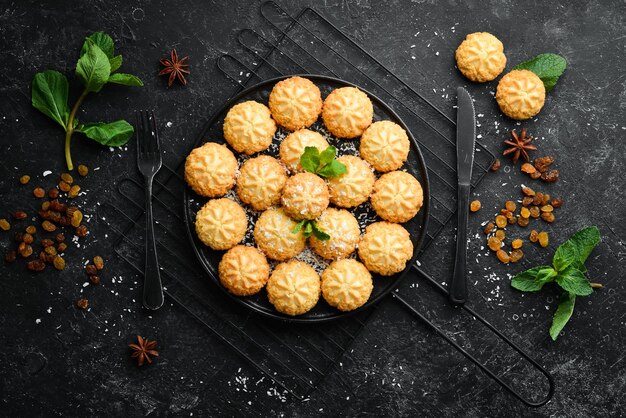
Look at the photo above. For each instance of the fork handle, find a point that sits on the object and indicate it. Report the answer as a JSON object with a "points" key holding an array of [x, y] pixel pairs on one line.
{"points": [[152, 288]]}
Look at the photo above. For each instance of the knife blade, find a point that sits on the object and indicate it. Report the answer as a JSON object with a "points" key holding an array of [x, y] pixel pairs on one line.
{"points": [[465, 146]]}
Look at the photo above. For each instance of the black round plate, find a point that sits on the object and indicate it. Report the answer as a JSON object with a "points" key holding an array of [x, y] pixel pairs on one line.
{"points": [[416, 226]]}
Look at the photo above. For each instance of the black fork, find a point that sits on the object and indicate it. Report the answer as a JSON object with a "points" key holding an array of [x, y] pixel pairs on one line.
{"points": [[149, 163]]}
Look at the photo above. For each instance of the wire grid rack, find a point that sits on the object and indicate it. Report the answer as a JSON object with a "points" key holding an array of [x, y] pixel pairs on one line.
{"points": [[296, 357]]}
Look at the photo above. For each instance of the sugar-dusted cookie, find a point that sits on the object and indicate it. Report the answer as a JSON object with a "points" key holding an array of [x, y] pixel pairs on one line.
{"points": [[211, 169], [347, 112], [346, 284], [221, 224], [353, 187], [520, 94], [293, 288], [292, 147], [480, 57], [305, 196], [385, 248], [272, 233], [249, 127], [344, 232], [385, 145], [397, 196], [261, 181], [243, 270], [295, 103]]}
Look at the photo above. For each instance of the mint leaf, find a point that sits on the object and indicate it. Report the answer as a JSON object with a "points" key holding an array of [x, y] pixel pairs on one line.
{"points": [[310, 159], [49, 96], [548, 68], [565, 255], [334, 169], [574, 282], [125, 79], [115, 62], [318, 233], [104, 42], [563, 314], [93, 68], [327, 156], [298, 226], [534, 279], [585, 241], [112, 134], [308, 229]]}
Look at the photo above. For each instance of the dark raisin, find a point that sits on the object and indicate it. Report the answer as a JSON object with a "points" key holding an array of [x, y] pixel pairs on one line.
{"points": [[91, 270], [556, 202], [48, 226], [53, 193], [496, 165], [81, 231], [94, 279], [550, 177], [82, 303], [36, 265], [10, 256], [60, 237], [39, 192], [19, 215]]}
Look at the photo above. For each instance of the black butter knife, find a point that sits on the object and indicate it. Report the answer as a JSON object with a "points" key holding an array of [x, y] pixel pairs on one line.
{"points": [[465, 144]]}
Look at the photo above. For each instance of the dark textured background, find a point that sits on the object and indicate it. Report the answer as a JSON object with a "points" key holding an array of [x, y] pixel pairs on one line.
{"points": [[55, 359]]}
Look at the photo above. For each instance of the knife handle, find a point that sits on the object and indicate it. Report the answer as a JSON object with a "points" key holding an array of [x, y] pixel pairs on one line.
{"points": [[458, 285]]}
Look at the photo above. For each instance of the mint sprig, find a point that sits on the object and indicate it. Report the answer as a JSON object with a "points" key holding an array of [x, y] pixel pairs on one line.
{"points": [[548, 67], [568, 271], [310, 227], [322, 163], [95, 68]]}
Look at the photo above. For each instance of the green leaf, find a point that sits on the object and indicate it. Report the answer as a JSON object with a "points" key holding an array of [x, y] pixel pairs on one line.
{"points": [[93, 68], [319, 234], [104, 42], [308, 229], [298, 226], [125, 79], [49, 96], [574, 281], [115, 62], [327, 156], [565, 255], [548, 68], [534, 279], [563, 314], [334, 169], [112, 134], [310, 159], [585, 241]]}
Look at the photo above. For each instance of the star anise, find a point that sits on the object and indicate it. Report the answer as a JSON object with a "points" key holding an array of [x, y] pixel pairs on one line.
{"points": [[519, 145], [175, 68], [143, 350]]}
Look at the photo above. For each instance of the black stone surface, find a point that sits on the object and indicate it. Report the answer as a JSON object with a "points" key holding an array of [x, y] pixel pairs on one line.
{"points": [[57, 360]]}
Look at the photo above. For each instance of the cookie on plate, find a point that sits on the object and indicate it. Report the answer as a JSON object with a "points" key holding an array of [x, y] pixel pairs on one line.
{"points": [[397, 196], [344, 232], [520, 94], [385, 145], [221, 224], [305, 196], [292, 147], [293, 288], [243, 270], [346, 284], [385, 248], [295, 103], [249, 127], [480, 57], [261, 181], [353, 187], [272, 233], [211, 169], [347, 112]]}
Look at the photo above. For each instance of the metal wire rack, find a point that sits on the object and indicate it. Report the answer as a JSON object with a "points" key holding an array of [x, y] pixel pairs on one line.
{"points": [[297, 357]]}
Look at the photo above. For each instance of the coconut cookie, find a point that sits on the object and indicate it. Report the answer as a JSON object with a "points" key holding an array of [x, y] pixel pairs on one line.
{"points": [[353, 187], [295, 103], [261, 181], [243, 270], [211, 169], [346, 284], [385, 248], [305, 196], [385, 145], [347, 112], [221, 224], [520, 94], [344, 232], [249, 127], [272, 233], [293, 288], [397, 196], [480, 57], [292, 147]]}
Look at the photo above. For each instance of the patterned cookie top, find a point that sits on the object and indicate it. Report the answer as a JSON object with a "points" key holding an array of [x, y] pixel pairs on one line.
{"points": [[273, 234], [292, 147], [385, 145], [354, 186], [305, 196], [480, 57], [211, 169], [249, 127], [221, 224], [261, 181], [385, 248], [346, 284], [295, 103], [347, 112], [293, 287], [243, 270], [520, 94], [397, 196]]}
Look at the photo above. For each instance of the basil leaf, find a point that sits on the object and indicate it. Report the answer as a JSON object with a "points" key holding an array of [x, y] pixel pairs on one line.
{"points": [[565, 255], [112, 134], [548, 68], [298, 227], [93, 68], [585, 241], [49, 96], [574, 282], [310, 159], [115, 62], [125, 79], [104, 42], [308, 229], [327, 156], [534, 279], [334, 169], [319, 234], [563, 314]]}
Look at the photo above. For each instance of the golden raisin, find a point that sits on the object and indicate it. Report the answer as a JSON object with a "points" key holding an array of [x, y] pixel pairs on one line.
{"points": [[67, 177], [74, 190], [524, 213], [527, 201], [494, 243], [534, 211], [64, 186], [500, 234], [512, 219], [4, 224], [98, 262], [550, 177], [501, 221], [81, 231], [547, 208], [510, 205], [548, 217], [475, 205], [26, 251], [39, 192], [517, 243], [489, 228], [50, 250], [24, 179], [28, 238], [523, 222], [503, 256], [516, 255], [46, 242], [31, 229], [61, 247], [538, 199], [535, 175], [48, 226], [528, 168], [58, 262], [83, 170], [82, 303], [77, 218], [546, 199], [542, 237], [528, 191], [533, 235]]}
